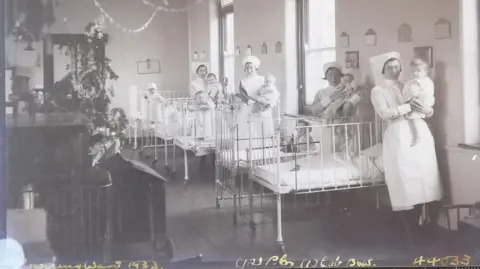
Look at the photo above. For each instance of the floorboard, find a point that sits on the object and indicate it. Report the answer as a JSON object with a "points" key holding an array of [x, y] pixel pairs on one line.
{"points": [[354, 229]]}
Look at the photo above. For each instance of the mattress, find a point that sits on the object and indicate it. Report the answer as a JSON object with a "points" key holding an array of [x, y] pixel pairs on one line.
{"points": [[333, 171]]}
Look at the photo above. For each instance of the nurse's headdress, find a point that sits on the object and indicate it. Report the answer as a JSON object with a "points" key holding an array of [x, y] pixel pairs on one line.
{"points": [[253, 60], [377, 65], [329, 66], [152, 86]]}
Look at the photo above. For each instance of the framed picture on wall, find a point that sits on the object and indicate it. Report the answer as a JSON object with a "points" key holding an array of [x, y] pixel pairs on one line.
{"points": [[424, 53], [148, 66], [352, 59]]}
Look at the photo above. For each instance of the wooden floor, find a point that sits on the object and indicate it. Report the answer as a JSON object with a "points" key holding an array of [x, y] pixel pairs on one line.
{"points": [[352, 229]]}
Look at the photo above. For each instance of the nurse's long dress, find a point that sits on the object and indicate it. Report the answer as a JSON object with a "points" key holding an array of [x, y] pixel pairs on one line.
{"points": [[251, 85], [196, 85], [411, 172]]}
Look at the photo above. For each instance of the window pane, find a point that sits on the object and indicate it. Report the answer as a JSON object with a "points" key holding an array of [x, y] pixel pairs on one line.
{"points": [[314, 61], [229, 34], [321, 23], [229, 71]]}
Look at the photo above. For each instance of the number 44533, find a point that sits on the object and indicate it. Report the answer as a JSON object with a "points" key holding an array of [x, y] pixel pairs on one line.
{"points": [[442, 260]]}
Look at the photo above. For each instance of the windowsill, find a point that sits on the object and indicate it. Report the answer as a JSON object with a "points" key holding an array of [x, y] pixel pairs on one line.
{"points": [[475, 146]]}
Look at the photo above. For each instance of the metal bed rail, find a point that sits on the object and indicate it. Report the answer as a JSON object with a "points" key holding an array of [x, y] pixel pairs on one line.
{"points": [[153, 127], [232, 140], [310, 157]]}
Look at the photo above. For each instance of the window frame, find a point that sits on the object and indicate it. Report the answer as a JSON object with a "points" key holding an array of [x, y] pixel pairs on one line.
{"points": [[4, 8], [223, 12], [302, 35], [302, 29]]}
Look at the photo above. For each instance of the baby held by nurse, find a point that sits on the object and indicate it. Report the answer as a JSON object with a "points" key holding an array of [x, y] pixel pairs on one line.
{"points": [[418, 91]]}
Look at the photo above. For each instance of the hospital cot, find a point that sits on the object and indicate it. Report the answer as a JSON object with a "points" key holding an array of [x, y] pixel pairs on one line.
{"points": [[154, 123], [231, 152], [334, 160], [339, 157], [192, 135]]}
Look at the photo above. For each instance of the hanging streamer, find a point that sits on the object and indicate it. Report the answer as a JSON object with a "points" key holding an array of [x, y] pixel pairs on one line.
{"points": [[155, 8]]}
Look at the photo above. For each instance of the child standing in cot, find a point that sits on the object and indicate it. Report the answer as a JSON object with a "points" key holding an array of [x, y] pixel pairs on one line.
{"points": [[421, 89], [214, 89], [204, 107], [304, 141], [152, 103]]}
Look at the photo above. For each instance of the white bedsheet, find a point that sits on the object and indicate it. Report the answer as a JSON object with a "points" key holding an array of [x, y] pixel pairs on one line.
{"points": [[163, 132], [314, 174]]}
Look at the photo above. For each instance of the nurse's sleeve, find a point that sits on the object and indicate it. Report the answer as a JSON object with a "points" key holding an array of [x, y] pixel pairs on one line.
{"points": [[326, 101], [383, 109], [322, 100], [429, 93], [192, 89]]}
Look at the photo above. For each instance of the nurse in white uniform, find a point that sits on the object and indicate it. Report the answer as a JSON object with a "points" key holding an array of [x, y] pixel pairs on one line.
{"points": [[199, 83], [333, 74], [411, 173], [249, 85]]}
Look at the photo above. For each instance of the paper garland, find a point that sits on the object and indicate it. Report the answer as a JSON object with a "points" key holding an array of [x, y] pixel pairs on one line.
{"points": [[155, 8]]}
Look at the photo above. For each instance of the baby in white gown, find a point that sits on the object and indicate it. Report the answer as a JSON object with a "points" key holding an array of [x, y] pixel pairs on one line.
{"points": [[266, 95], [214, 88], [346, 104], [204, 107], [421, 88]]}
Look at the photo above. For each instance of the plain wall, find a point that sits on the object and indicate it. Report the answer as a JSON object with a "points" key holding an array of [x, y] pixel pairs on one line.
{"points": [[269, 21]]}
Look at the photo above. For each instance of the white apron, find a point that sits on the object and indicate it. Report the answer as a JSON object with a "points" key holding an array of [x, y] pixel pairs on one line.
{"points": [[265, 126], [325, 135], [197, 84], [251, 85], [205, 123], [411, 173]]}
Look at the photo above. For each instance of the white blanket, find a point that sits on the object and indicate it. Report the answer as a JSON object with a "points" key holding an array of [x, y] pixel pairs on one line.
{"points": [[316, 172]]}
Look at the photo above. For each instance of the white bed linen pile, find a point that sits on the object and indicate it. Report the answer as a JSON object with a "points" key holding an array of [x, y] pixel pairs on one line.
{"points": [[333, 170]]}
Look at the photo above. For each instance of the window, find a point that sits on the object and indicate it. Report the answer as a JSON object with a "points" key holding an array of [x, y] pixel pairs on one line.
{"points": [[227, 37], [229, 52], [317, 42]]}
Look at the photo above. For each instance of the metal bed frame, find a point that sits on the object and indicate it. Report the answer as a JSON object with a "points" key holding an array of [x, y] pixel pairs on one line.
{"points": [[232, 172], [188, 140], [149, 125], [351, 135], [231, 165]]}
